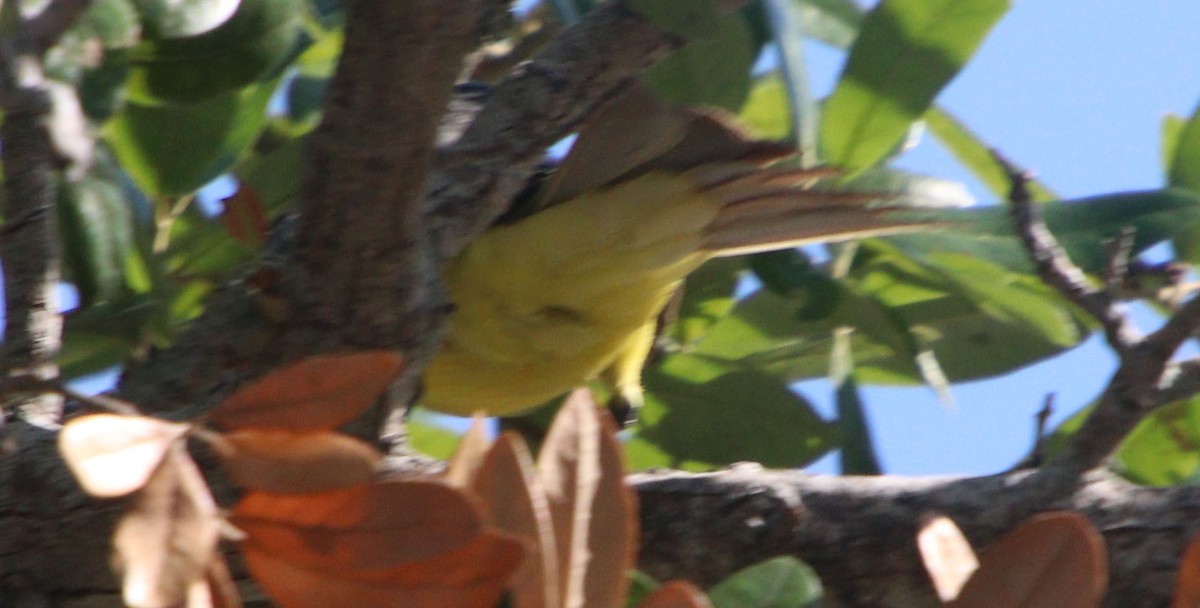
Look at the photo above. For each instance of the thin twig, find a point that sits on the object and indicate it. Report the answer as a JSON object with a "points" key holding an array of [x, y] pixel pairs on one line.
{"points": [[1056, 269]]}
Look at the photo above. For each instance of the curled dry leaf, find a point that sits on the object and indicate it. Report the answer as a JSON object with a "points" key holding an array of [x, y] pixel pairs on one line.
{"points": [[594, 513], [515, 502], [360, 529], [947, 555], [473, 579], [221, 587], [1187, 578], [1052, 560], [167, 537], [281, 462], [317, 394], [113, 455], [469, 454], [676, 594]]}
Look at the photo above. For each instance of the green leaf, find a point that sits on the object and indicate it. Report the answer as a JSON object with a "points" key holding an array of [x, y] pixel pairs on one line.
{"points": [[975, 154], [104, 335], [782, 582], [174, 149], [766, 112], [432, 439], [714, 71], [1171, 132], [96, 223], [787, 26], [906, 52], [1184, 172], [702, 424], [640, 586], [692, 20], [858, 449], [834, 22], [178, 18], [707, 296], [245, 49], [1082, 226], [1164, 449], [115, 22]]}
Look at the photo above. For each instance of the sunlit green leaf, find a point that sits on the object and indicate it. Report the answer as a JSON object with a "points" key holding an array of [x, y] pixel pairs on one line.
{"points": [[701, 425], [179, 18], [1184, 172], [782, 582], [766, 111], [1164, 449], [905, 53], [176, 148], [714, 71], [248, 47], [976, 155]]}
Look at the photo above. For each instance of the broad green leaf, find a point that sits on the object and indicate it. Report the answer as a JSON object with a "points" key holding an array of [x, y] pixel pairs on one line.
{"points": [[692, 20], [248, 47], [857, 448], [707, 296], [834, 22], [1171, 130], [1184, 172], [104, 335], [96, 223], [1164, 449], [431, 439], [905, 53], [640, 586], [766, 112], [975, 154], [701, 425], [1082, 226], [202, 247], [174, 149], [272, 166], [178, 18], [714, 71], [781, 582], [115, 22]]}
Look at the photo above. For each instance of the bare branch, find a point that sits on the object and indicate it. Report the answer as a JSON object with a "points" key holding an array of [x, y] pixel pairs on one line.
{"points": [[540, 103], [43, 31], [29, 241]]}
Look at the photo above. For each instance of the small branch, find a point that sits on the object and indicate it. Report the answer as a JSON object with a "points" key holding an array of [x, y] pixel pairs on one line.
{"points": [[43, 31], [539, 104], [1056, 269], [29, 241]]}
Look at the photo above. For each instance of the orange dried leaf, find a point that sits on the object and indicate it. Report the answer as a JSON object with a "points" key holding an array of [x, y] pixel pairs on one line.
{"points": [[469, 454], [947, 555], [317, 394], [295, 586], [113, 455], [1187, 578], [295, 463], [245, 216], [515, 502], [676, 594], [593, 511], [362, 528], [167, 536], [1052, 560]]}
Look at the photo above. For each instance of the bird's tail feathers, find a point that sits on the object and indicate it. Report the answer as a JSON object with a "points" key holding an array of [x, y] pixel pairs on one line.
{"points": [[764, 209]]}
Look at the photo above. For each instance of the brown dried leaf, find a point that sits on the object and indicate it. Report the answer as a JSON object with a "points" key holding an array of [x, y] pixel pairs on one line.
{"points": [[113, 455], [359, 529], [317, 394], [167, 536], [281, 462], [469, 454], [947, 555], [676, 594], [1187, 578], [515, 502], [1052, 560], [593, 511], [473, 583], [245, 216]]}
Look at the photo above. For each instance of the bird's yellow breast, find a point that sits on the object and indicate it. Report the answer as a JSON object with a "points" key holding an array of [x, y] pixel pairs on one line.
{"points": [[549, 302]]}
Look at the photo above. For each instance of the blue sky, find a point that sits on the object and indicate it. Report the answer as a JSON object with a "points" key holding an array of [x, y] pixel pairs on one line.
{"points": [[1074, 90]]}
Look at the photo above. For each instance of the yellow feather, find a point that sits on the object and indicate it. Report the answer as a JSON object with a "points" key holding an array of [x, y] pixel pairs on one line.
{"points": [[572, 291]]}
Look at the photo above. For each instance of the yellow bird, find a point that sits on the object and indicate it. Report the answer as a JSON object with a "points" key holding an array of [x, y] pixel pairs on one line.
{"points": [[573, 290]]}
